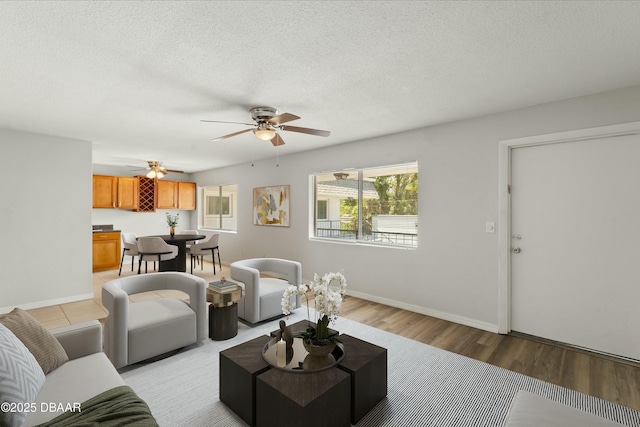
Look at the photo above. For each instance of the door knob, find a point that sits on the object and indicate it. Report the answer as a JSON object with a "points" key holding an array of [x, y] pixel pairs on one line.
{"points": [[516, 250]]}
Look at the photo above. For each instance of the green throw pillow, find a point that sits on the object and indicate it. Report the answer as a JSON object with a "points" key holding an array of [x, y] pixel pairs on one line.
{"points": [[40, 342]]}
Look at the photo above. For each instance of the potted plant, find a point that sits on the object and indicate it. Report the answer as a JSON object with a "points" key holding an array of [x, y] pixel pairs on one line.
{"points": [[328, 291], [172, 222]]}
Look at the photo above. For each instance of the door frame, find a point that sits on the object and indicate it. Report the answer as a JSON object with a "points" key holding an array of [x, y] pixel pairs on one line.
{"points": [[504, 199]]}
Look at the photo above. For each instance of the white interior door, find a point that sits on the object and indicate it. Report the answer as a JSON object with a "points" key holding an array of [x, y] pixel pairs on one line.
{"points": [[575, 217]]}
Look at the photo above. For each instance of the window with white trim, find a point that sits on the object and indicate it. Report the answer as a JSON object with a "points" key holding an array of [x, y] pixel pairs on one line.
{"points": [[219, 207], [377, 205]]}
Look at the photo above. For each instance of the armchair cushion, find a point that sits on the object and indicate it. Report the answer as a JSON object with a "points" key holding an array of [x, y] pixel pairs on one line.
{"points": [[40, 342], [157, 324]]}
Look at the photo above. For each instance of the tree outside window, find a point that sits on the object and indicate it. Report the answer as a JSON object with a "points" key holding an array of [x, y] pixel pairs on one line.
{"points": [[376, 205]]}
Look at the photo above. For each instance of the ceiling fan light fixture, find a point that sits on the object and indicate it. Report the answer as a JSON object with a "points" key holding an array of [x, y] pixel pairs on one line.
{"points": [[265, 134], [155, 174]]}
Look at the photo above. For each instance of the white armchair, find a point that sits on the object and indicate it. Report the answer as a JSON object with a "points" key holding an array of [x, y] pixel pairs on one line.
{"points": [[263, 295], [138, 331]]}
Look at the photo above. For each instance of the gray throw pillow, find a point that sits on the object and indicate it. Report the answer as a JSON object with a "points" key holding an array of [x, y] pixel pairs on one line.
{"points": [[21, 379], [40, 342]]}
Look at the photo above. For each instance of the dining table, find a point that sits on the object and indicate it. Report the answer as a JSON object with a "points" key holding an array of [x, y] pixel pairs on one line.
{"points": [[178, 263]]}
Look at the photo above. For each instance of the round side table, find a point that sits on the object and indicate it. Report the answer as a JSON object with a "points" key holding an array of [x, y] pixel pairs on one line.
{"points": [[223, 310]]}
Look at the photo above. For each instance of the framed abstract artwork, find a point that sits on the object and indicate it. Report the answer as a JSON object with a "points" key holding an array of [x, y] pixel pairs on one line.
{"points": [[271, 205]]}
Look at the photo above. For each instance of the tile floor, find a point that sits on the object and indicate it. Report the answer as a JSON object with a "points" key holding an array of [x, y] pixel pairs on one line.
{"points": [[81, 311]]}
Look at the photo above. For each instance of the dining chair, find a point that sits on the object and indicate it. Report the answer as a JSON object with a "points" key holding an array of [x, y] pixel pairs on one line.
{"points": [[209, 244], [129, 247], [154, 249], [189, 242]]}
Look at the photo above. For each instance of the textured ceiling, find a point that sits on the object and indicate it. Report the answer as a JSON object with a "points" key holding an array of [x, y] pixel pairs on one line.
{"points": [[136, 78]]}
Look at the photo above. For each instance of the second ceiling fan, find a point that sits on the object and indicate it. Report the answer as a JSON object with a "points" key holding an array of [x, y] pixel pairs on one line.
{"points": [[157, 171], [267, 122]]}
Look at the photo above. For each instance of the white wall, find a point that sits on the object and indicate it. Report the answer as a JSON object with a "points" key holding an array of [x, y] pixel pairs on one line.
{"points": [[45, 256], [453, 273]]}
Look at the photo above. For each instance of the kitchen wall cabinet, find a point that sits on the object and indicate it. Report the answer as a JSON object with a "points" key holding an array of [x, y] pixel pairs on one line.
{"points": [[176, 195], [142, 194], [105, 190], [127, 192], [115, 192], [146, 194], [187, 195], [166, 194], [106, 250]]}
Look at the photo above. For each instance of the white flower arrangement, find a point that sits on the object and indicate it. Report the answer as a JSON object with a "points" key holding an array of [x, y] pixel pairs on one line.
{"points": [[327, 300]]}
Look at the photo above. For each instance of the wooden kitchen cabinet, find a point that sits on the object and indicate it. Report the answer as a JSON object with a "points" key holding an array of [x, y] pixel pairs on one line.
{"points": [[176, 195], [127, 192], [115, 192], [166, 194], [105, 191], [187, 195], [106, 250], [142, 194]]}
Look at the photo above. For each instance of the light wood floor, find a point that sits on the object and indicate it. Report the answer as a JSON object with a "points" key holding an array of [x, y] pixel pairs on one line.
{"points": [[590, 374]]}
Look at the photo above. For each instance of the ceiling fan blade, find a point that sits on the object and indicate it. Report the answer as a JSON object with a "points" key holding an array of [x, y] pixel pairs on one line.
{"points": [[277, 141], [306, 130], [235, 123], [174, 171], [231, 134], [282, 118]]}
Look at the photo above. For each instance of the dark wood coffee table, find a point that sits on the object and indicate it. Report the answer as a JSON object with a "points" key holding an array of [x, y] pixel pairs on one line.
{"points": [[366, 363], [317, 399], [261, 394], [239, 367]]}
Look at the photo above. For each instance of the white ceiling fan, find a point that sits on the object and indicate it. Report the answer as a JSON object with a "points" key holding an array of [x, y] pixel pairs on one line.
{"points": [[268, 121]]}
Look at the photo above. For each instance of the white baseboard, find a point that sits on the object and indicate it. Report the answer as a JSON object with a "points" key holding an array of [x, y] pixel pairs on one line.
{"points": [[47, 303], [427, 311]]}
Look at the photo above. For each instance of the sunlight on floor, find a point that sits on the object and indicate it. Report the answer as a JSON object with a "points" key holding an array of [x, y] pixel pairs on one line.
{"points": [[81, 311]]}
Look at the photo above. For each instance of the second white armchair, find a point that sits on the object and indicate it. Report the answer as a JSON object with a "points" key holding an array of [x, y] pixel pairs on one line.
{"points": [[263, 295]]}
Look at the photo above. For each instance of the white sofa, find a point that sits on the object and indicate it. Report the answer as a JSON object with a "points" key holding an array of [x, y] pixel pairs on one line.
{"points": [[87, 373], [530, 410], [139, 331], [263, 295]]}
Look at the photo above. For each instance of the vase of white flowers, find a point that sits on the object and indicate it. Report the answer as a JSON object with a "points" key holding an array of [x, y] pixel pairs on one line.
{"points": [[172, 222], [328, 290]]}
